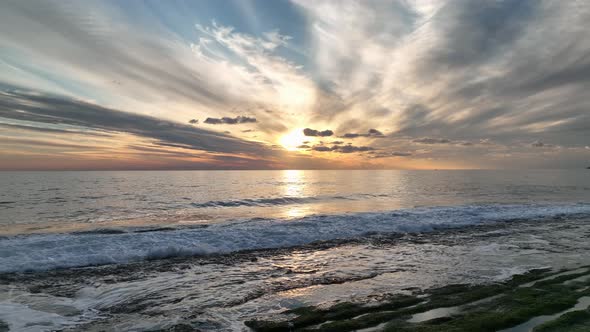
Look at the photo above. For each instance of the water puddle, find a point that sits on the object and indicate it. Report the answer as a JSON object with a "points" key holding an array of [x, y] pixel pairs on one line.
{"points": [[447, 311], [551, 277], [434, 313], [377, 328]]}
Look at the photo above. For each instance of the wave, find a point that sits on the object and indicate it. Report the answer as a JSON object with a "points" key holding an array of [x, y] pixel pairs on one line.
{"points": [[279, 201], [51, 251]]}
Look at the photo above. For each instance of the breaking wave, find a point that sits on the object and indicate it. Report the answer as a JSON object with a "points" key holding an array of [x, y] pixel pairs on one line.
{"points": [[51, 251]]}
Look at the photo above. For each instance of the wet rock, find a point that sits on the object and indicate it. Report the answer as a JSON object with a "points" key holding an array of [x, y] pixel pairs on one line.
{"points": [[183, 328], [487, 307]]}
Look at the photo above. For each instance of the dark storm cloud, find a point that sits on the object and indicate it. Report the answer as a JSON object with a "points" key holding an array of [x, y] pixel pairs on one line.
{"points": [[313, 132], [56, 110], [371, 133], [231, 121]]}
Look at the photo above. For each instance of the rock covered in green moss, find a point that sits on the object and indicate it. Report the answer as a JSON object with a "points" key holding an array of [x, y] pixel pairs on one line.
{"points": [[490, 307]]}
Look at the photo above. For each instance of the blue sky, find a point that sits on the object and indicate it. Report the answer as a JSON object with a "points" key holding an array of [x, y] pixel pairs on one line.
{"points": [[233, 84]]}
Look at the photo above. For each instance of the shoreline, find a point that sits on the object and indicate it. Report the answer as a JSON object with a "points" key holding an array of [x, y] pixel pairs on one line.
{"points": [[539, 300], [220, 292]]}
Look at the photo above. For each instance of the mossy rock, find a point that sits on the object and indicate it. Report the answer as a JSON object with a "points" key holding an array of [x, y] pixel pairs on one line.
{"points": [[506, 304], [575, 321]]}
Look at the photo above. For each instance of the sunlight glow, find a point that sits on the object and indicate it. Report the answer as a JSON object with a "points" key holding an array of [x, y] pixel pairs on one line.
{"points": [[293, 139]]}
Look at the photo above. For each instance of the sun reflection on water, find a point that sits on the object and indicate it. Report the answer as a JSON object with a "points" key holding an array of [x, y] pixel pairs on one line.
{"points": [[294, 185]]}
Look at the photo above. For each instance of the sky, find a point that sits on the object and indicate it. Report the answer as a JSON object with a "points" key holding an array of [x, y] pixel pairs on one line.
{"points": [[301, 84]]}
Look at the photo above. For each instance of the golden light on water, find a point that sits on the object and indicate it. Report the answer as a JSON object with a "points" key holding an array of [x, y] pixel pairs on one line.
{"points": [[295, 187]]}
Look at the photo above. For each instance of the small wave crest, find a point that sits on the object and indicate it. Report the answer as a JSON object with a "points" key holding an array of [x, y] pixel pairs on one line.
{"points": [[50, 251], [279, 201]]}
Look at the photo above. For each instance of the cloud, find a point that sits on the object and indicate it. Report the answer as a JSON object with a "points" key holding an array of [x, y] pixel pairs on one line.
{"points": [[99, 52], [475, 32], [496, 78], [321, 148], [371, 133], [63, 111], [429, 140], [342, 148], [303, 146], [39, 128], [193, 121], [40, 143], [539, 144], [230, 121], [375, 132], [313, 132], [351, 148], [391, 154], [447, 74]]}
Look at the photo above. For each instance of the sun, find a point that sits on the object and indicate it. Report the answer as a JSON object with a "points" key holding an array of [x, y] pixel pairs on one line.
{"points": [[293, 139]]}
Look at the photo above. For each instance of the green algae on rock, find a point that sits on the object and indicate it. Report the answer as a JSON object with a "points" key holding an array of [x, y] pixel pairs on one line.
{"points": [[575, 321], [489, 307]]}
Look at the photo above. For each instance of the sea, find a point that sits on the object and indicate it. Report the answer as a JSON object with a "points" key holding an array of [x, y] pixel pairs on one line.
{"points": [[149, 250]]}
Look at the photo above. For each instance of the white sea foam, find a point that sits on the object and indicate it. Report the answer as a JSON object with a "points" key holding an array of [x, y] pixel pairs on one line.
{"points": [[50, 251]]}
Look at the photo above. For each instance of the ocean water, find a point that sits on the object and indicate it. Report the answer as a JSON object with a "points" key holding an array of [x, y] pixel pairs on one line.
{"points": [[146, 250], [63, 201]]}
